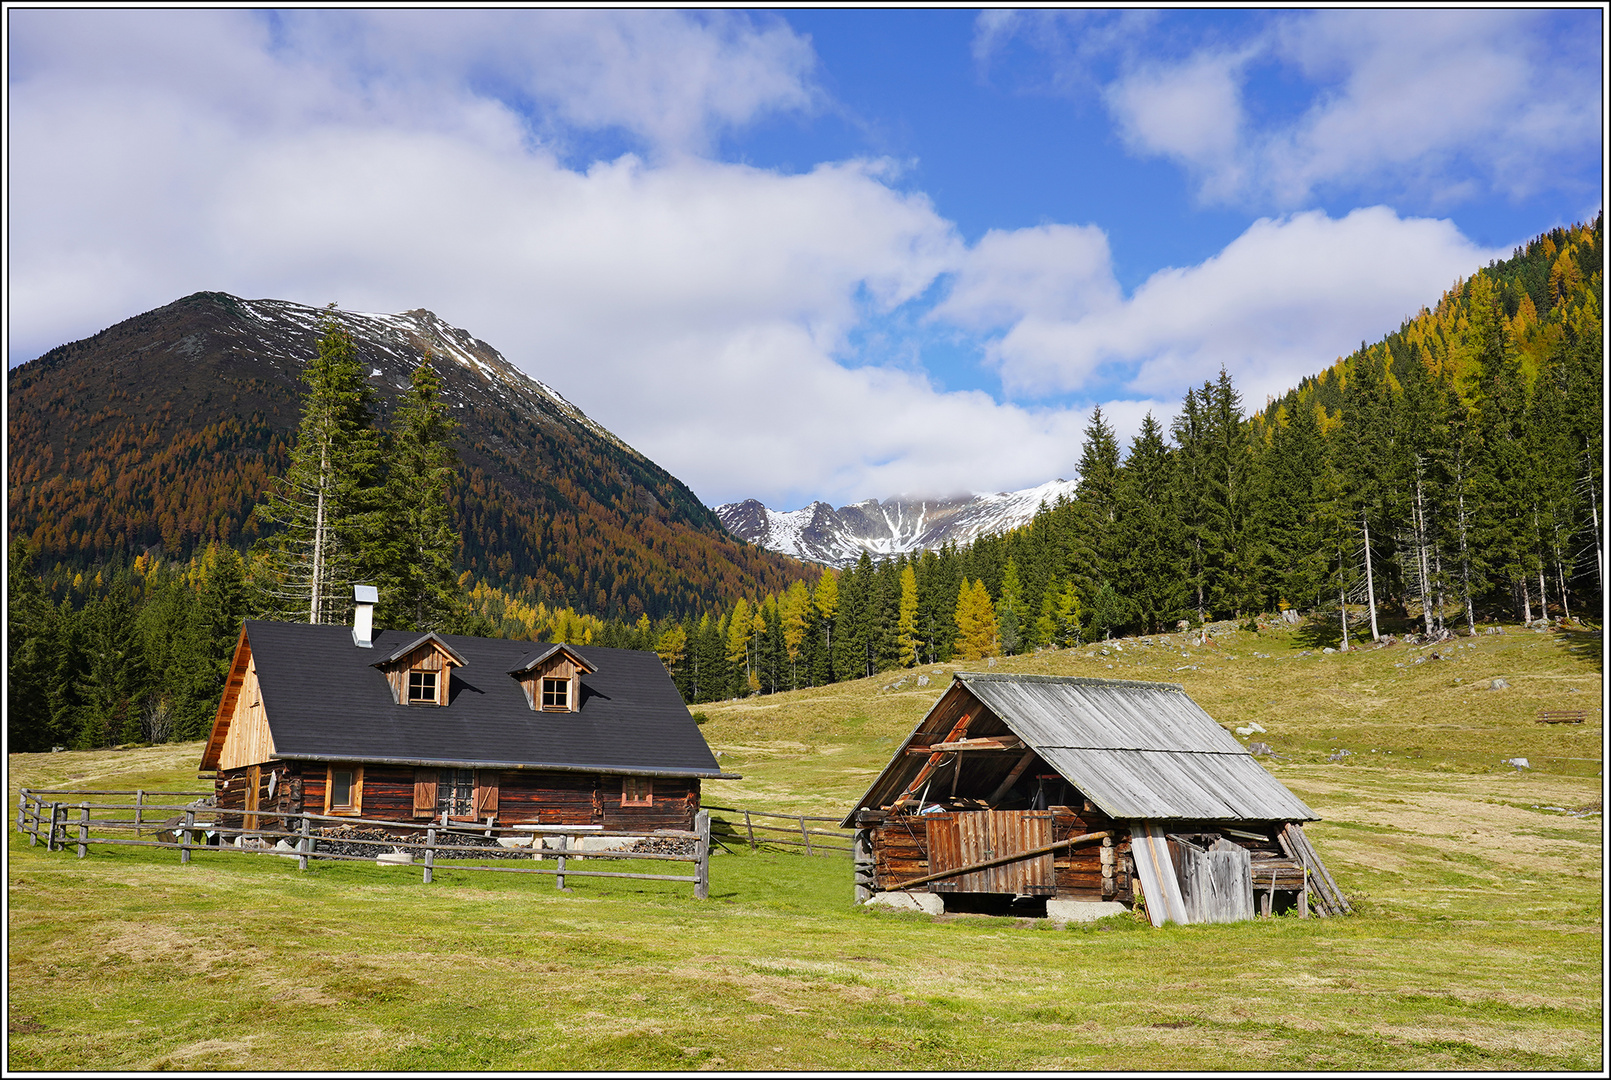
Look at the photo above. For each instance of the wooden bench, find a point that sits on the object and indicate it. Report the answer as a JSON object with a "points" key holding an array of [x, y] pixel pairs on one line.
{"points": [[1561, 716]]}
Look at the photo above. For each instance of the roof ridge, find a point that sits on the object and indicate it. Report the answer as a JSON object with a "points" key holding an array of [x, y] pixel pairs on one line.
{"points": [[1063, 680]]}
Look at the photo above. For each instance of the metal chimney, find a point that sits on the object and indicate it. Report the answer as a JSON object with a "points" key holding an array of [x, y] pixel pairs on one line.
{"points": [[364, 599]]}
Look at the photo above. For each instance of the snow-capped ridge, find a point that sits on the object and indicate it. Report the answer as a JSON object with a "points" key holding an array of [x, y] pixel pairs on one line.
{"points": [[881, 528]]}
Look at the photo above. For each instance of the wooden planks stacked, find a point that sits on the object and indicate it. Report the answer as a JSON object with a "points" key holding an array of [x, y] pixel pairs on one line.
{"points": [[1329, 899]]}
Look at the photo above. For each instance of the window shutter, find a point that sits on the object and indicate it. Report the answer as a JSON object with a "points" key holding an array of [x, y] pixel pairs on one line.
{"points": [[424, 793], [486, 793]]}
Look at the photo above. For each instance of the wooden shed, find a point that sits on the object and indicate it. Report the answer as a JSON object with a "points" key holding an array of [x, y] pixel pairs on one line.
{"points": [[1080, 791], [413, 728]]}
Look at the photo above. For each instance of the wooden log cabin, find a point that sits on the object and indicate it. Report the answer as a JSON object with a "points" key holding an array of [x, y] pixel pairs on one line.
{"points": [[400, 726], [1085, 791]]}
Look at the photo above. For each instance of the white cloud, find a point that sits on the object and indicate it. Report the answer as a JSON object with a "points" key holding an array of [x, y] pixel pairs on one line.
{"points": [[696, 308], [1434, 106], [1281, 301], [1191, 112]]}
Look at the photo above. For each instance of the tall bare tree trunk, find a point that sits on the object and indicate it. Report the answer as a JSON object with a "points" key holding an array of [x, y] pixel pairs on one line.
{"points": [[1465, 567], [1420, 552], [1370, 580]]}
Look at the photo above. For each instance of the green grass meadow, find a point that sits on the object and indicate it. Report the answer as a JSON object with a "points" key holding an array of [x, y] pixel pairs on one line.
{"points": [[1477, 946]]}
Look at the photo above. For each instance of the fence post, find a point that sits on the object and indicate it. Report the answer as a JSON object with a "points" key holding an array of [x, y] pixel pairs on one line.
{"points": [[863, 871], [805, 835], [83, 829], [22, 810], [702, 874], [139, 811], [430, 853], [564, 845], [750, 827], [50, 838], [184, 842], [305, 844]]}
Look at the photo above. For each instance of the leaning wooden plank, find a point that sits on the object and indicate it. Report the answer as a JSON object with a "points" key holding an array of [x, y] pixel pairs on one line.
{"points": [[1341, 901], [1150, 851], [1325, 888], [1328, 898]]}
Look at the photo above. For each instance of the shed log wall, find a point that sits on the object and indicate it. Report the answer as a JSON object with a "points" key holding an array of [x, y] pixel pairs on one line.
{"points": [[900, 853]]}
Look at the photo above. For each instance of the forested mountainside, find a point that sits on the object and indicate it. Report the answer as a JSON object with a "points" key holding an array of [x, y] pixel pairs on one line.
{"points": [[894, 526], [1446, 474], [161, 433]]}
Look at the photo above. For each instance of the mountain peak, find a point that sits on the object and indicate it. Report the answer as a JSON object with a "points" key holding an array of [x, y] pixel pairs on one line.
{"points": [[885, 527]]}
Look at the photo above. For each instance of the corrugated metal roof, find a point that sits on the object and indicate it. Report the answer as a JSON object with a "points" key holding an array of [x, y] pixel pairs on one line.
{"points": [[1139, 751]]}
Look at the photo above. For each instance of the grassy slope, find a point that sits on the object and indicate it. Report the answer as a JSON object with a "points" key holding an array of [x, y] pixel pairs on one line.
{"points": [[1477, 946]]}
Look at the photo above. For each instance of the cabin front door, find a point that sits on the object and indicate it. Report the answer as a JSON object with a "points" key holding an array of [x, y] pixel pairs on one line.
{"points": [[978, 836]]}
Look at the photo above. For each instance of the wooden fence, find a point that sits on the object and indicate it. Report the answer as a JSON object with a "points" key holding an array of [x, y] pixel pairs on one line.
{"points": [[743, 825], [61, 823]]}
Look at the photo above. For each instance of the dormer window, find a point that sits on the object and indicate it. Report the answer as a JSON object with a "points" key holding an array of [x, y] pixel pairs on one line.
{"points": [[557, 694], [422, 688], [421, 672], [552, 679]]}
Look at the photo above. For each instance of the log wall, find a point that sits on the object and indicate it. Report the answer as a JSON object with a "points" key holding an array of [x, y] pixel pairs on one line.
{"points": [[524, 797], [900, 853]]}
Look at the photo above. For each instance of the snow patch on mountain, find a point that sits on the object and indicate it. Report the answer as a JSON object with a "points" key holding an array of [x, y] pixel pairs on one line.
{"points": [[819, 533]]}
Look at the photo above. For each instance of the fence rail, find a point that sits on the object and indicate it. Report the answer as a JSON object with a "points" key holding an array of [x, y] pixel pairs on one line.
{"points": [[63, 823], [732, 829]]}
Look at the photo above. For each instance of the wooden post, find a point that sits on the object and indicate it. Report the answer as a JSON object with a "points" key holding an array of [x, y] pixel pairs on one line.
{"points": [[185, 836], [805, 835], [564, 845], [83, 829], [864, 871], [22, 810], [702, 827], [305, 844], [50, 839], [430, 853], [1303, 899], [751, 828], [139, 811], [490, 820]]}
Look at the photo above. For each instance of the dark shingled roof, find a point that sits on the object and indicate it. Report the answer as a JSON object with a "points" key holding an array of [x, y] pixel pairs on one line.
{"points": [[324, 701]]}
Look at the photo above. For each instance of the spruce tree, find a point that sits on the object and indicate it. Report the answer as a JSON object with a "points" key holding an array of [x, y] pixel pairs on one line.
{"points": [[324, 505], [30, 653], [411, 556], [1147, 567]]}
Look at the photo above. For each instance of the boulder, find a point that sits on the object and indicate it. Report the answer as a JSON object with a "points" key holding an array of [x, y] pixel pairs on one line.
{"points": [[1499, 684], [932, 903], [1083, 910]]}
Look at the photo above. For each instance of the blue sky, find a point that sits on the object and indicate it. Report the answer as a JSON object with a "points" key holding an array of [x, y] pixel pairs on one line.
{"points": [[814, 253]]}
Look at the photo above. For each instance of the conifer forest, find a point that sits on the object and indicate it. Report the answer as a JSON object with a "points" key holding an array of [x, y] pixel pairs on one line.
{"points": [[1443, 476]]}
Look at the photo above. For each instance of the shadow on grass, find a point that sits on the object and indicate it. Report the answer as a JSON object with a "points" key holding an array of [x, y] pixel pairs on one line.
{"points": [[1584, 645], [1319, 631]]}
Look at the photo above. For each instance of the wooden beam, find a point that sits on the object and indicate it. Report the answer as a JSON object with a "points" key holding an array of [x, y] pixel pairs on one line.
{"points": [[1087, 838], [934, 761], [1002, 742], [1012, 777]]}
